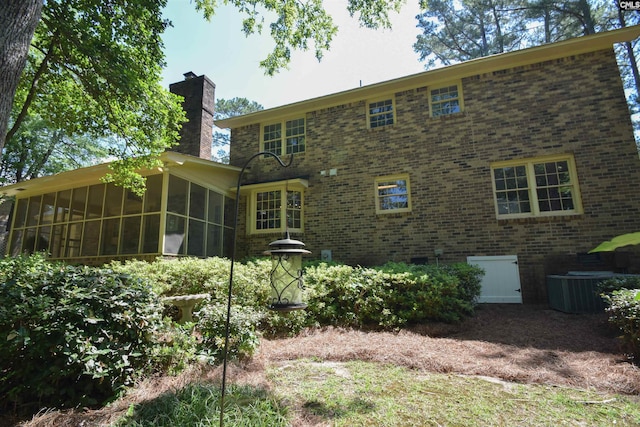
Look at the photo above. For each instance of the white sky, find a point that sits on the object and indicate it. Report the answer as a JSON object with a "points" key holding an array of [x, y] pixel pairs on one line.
{"points": [[220, 50]]}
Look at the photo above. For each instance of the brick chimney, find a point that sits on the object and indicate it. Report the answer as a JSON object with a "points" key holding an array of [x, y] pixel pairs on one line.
{"points": [[196, 135]]}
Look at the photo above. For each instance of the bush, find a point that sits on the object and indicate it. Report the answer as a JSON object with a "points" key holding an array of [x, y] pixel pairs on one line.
{"points": [[617, 283], [188, 275], [71, 335], [624, 312], [243, 337], [392, 295]]}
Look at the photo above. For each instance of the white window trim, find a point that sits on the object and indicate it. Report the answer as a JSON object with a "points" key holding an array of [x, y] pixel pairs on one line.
{"points": [[458, 84], [251, 192], [533, 196], [379, 179], [283, 134], [393, 106]]}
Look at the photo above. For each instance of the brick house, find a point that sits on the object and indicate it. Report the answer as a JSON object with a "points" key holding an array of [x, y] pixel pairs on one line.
{"points": [[526, 156]]}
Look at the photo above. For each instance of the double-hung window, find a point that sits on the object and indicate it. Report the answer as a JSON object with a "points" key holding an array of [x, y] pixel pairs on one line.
{"points": [[543, 186], [445, 100], [393, 194], [381, 113], [288, 137]]}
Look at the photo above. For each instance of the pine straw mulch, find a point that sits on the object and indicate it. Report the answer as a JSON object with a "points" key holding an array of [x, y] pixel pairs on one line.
{"points": [[524, 344]]}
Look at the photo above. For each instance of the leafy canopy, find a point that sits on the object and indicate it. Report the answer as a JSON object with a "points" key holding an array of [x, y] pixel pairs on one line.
{"points": [[93, 71]]}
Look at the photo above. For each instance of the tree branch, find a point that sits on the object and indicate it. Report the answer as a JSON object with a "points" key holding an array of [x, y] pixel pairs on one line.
{"points": [[34, 83]]}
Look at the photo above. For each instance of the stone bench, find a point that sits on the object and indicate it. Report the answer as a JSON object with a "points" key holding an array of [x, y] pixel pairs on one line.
{"points": [[185, 303]]}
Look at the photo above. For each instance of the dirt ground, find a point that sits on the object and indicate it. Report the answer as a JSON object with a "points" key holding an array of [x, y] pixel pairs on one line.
{"points": [[525, 344]]}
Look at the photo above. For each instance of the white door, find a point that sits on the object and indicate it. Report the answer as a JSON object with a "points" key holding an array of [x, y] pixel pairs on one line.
{"points": [[501, 281]]}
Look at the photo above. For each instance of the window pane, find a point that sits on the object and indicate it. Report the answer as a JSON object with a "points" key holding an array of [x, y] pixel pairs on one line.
{"points": [[174, 235], [113, 200], [555, 192], [95, 201], [445, 101], [272, 138], [215, 207], [43, 239], [72, 246], [268, 210], [381, 113], [110, 236], [229, 211], [46, 213], [33, 212], [196, 238], [177, 195], [130, 235], [91, 238], [197, 201], [295, 140], [153, 195], [21, 212], [392, 194], [151, 233], [16, 243], [29, 242], [58, 239], [214, 240], [78, 203], [62, 206], [294, 209], [132, 203]]}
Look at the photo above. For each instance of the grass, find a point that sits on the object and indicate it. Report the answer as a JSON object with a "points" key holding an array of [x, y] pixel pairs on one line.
{"points": [[308, 392]]}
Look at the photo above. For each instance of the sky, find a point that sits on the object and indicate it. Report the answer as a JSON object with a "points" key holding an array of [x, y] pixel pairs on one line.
{"points": [[220, 50]]}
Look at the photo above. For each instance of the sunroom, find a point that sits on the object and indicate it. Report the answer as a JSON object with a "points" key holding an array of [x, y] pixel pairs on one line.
{"points": [[187, 209]]}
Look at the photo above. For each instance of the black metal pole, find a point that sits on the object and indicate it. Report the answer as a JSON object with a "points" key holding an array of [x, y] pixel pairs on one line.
{"points": [[233, 258]]}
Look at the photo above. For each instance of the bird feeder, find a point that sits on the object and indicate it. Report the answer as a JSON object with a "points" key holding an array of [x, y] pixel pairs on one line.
{"points": [[286, 274]]}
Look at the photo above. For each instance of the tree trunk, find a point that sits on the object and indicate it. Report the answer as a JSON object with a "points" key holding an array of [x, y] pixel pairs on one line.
{"points": [[632, 56], [18, 21]]}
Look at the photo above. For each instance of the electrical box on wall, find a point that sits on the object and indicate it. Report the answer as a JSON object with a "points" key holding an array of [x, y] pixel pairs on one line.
{"points": [[325, 255]]}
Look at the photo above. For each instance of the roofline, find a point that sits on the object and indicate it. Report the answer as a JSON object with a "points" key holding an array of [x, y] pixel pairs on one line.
{"points": [[90, 174], [546, 52]]}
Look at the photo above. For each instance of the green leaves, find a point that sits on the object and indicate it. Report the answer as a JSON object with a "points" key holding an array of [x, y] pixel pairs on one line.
{"points": [[74, 335], [299, 24], [618, 242], [94, 71]]}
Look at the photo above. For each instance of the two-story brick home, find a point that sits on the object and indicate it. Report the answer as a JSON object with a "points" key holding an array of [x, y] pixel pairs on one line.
{"points": [[527, 158]]}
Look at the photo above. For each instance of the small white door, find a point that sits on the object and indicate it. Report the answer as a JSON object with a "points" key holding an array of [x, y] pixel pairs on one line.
{"points": [[501, 281]]}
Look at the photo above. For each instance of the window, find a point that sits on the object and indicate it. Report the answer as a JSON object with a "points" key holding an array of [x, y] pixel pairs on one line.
{"points": [[380, 113], [445, 100], [536, 187], [276, 207], [393, 194], [292, 141]]}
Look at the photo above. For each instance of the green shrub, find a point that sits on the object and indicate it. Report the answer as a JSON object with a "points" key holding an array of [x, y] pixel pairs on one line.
{"points": [[624, 312], [71, 335], [617, 283], [188, 275], [243, 336], [177, 347], [392, 295]]}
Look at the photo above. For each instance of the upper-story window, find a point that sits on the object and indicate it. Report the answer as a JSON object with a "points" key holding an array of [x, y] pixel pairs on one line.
{"points": [[393, 194], [543, 186], [445, 100], [381, 113], [291, 141]]}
